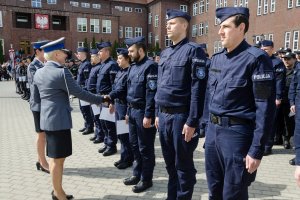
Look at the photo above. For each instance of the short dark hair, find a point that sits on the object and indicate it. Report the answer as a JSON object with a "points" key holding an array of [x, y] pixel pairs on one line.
{"points": [[241, 19], [141, 45]]}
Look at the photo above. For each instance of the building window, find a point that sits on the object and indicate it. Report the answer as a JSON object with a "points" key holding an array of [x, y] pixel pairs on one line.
{"points": [[207, 5], [106, 26], [74, 3], [128, 9], [183, 8], [168, 42], [259, 6], [287, 40], [224, 3], [59, 22], [201, 7], [297, 3], [194, 30], [195, 9], [85, 5], [94, 25], [156, 39], [36, 3], [81, 24], [120, 31], [23, 20], [138, 31], [149, 38], [96, 6], [296, 40], [241, 3], [150, 18], [290, 3], [120, 8], [272, 7], [271, 36], [265, 7], [138, 10], [201, 29], [1, 24], [206, 29], [51, 1], [246, 3], [156, 21], [217, 46], [2, 43], [80, 44], [128, 32]]}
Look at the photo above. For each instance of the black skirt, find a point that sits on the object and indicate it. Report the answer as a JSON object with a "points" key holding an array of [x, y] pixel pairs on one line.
{"points": [[59, 143], [36, 119]]}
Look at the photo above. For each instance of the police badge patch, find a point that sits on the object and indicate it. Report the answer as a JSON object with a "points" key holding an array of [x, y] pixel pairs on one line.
{"points": [[200, 72], [152, 84]]}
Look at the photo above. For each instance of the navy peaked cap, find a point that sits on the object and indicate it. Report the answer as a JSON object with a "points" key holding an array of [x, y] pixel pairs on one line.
{"points": [[289, 55], [122, 51], [94, 51], [83, 49], [131, 41], [38, 44], [103, 45], [224, 13], [267, 43], [173, 13]]}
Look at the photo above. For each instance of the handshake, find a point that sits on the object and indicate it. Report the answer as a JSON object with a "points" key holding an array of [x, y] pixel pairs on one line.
{"points": [[106, 98]]}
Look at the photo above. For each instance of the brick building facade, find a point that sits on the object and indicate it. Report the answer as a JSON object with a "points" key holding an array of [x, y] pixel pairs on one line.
{"points": [[23, 21]]}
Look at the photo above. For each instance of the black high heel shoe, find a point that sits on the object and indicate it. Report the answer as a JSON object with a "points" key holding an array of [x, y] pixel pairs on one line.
{"points": [[40, 167], [55, 198]]}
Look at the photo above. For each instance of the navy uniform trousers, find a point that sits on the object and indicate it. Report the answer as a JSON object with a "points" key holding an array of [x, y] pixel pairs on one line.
{"points": [[126, 152], [110, 132], [87, 116], [227, 176], [142, 144], [178, 155]]}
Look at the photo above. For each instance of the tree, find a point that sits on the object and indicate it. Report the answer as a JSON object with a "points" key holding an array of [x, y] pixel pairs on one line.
{"points": [[85, 44], [114, 48], [1, 53], [94, 43], [156, 48]]}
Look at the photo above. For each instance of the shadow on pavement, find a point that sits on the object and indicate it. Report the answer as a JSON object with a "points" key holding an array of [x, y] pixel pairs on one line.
{"points": [[265, 190]]}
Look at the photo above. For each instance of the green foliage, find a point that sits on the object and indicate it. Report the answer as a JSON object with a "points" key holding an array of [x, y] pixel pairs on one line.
{"points": [[85, 44], [1, 53], [94, 43], [114, 48]]}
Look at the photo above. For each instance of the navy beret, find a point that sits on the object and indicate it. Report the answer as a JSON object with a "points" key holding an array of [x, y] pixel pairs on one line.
{"points": [[83, 49], [203, 46], [131, 41], [267, 43], [225, 12], [122, 51], [289, 55], [38, 44], [94, 51], [58, 44], [103, 45], [173, 13]]}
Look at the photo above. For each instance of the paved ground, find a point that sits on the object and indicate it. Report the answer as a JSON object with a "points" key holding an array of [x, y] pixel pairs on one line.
{"points": [[90, 176]]}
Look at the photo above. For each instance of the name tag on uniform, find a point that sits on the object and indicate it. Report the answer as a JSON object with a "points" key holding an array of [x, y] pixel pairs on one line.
{"points": [[262, 77], [122, 127], [106, 115]]}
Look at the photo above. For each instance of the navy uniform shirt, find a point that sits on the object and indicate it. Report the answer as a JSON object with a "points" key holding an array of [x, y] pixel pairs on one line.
{"points": [[106, 77], [279, 70], [295, 87], [182, 77], [142, 85], [242, 85], [83, 71], [120, 85], [289, 74], [92, 80]]}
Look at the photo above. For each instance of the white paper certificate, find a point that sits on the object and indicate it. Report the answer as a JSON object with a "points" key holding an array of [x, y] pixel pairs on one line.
{"points": [[96, 109], [105, 115], [84, 103], [122, 127]]}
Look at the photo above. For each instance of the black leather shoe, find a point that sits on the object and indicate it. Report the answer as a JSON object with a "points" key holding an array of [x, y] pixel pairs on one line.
{"points": [[278, 142], [93, 138], [97, 141], [117, 163], [267, 152], [286, 145], [124, 165], [110, 151], [102, 149], [81, 130], [87, 131], [132, 180], [142, 186], [292, 161], [68, 196]]}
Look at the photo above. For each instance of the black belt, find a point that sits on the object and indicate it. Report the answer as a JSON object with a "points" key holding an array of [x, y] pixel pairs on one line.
{"points": [[136, 106], [220, 120], [119, 101], [173, 110]]}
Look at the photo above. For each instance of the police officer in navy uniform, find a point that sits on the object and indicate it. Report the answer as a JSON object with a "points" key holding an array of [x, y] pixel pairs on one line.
{"points": [[242, 108], [297, 55], [118, 95], [91, 87], [141, 89], [182, 77], [105, 81], [279, 71], [82, 76]]}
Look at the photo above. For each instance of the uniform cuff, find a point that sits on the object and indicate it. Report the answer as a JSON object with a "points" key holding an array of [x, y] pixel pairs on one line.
{"points": [[256, 153], [192, 122]]}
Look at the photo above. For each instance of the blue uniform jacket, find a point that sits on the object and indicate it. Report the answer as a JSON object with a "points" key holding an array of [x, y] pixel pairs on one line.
{"points": [[279, 70], [92, 80], [242, 85], [32, 68], [120, 86], [295, 87], [52, 86], [83, 73], [142, 85], [182, 78], [106, 77]]}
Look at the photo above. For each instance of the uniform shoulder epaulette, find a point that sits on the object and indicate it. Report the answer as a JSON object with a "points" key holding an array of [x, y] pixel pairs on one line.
{"points": [[256, 52], [194, 44], [219, 52], [277, 61]]}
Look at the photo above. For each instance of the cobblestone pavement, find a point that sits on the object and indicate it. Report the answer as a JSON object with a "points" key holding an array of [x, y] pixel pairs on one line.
{"points": [[90, 176]]}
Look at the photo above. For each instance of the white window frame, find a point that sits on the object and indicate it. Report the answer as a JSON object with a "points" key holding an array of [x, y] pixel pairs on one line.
{"points": [[259, 7], [1, 21], [206, 28], [266, 7], [273, 6], [224, 3], [271, 36], [80, 44], [96, 6], [95, 25], [106, 26], [168, 41], [290, 3], [156, 19], [183, 8], [207, 6], [128, 32], [194, 30], [128, 9], [81, 24], [138, 31], [201, 29], [85, 5], [74, 3], [246, 3], [36, 3], [235, 3], [120, 31], [51, 2], [138, 10], [150, 38], [150, 18], [120, 8], [297, 3], [195, 8], [220, 47], [156, 39], [295, 40], [201, 6], [217, 3], [287, 39]]}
